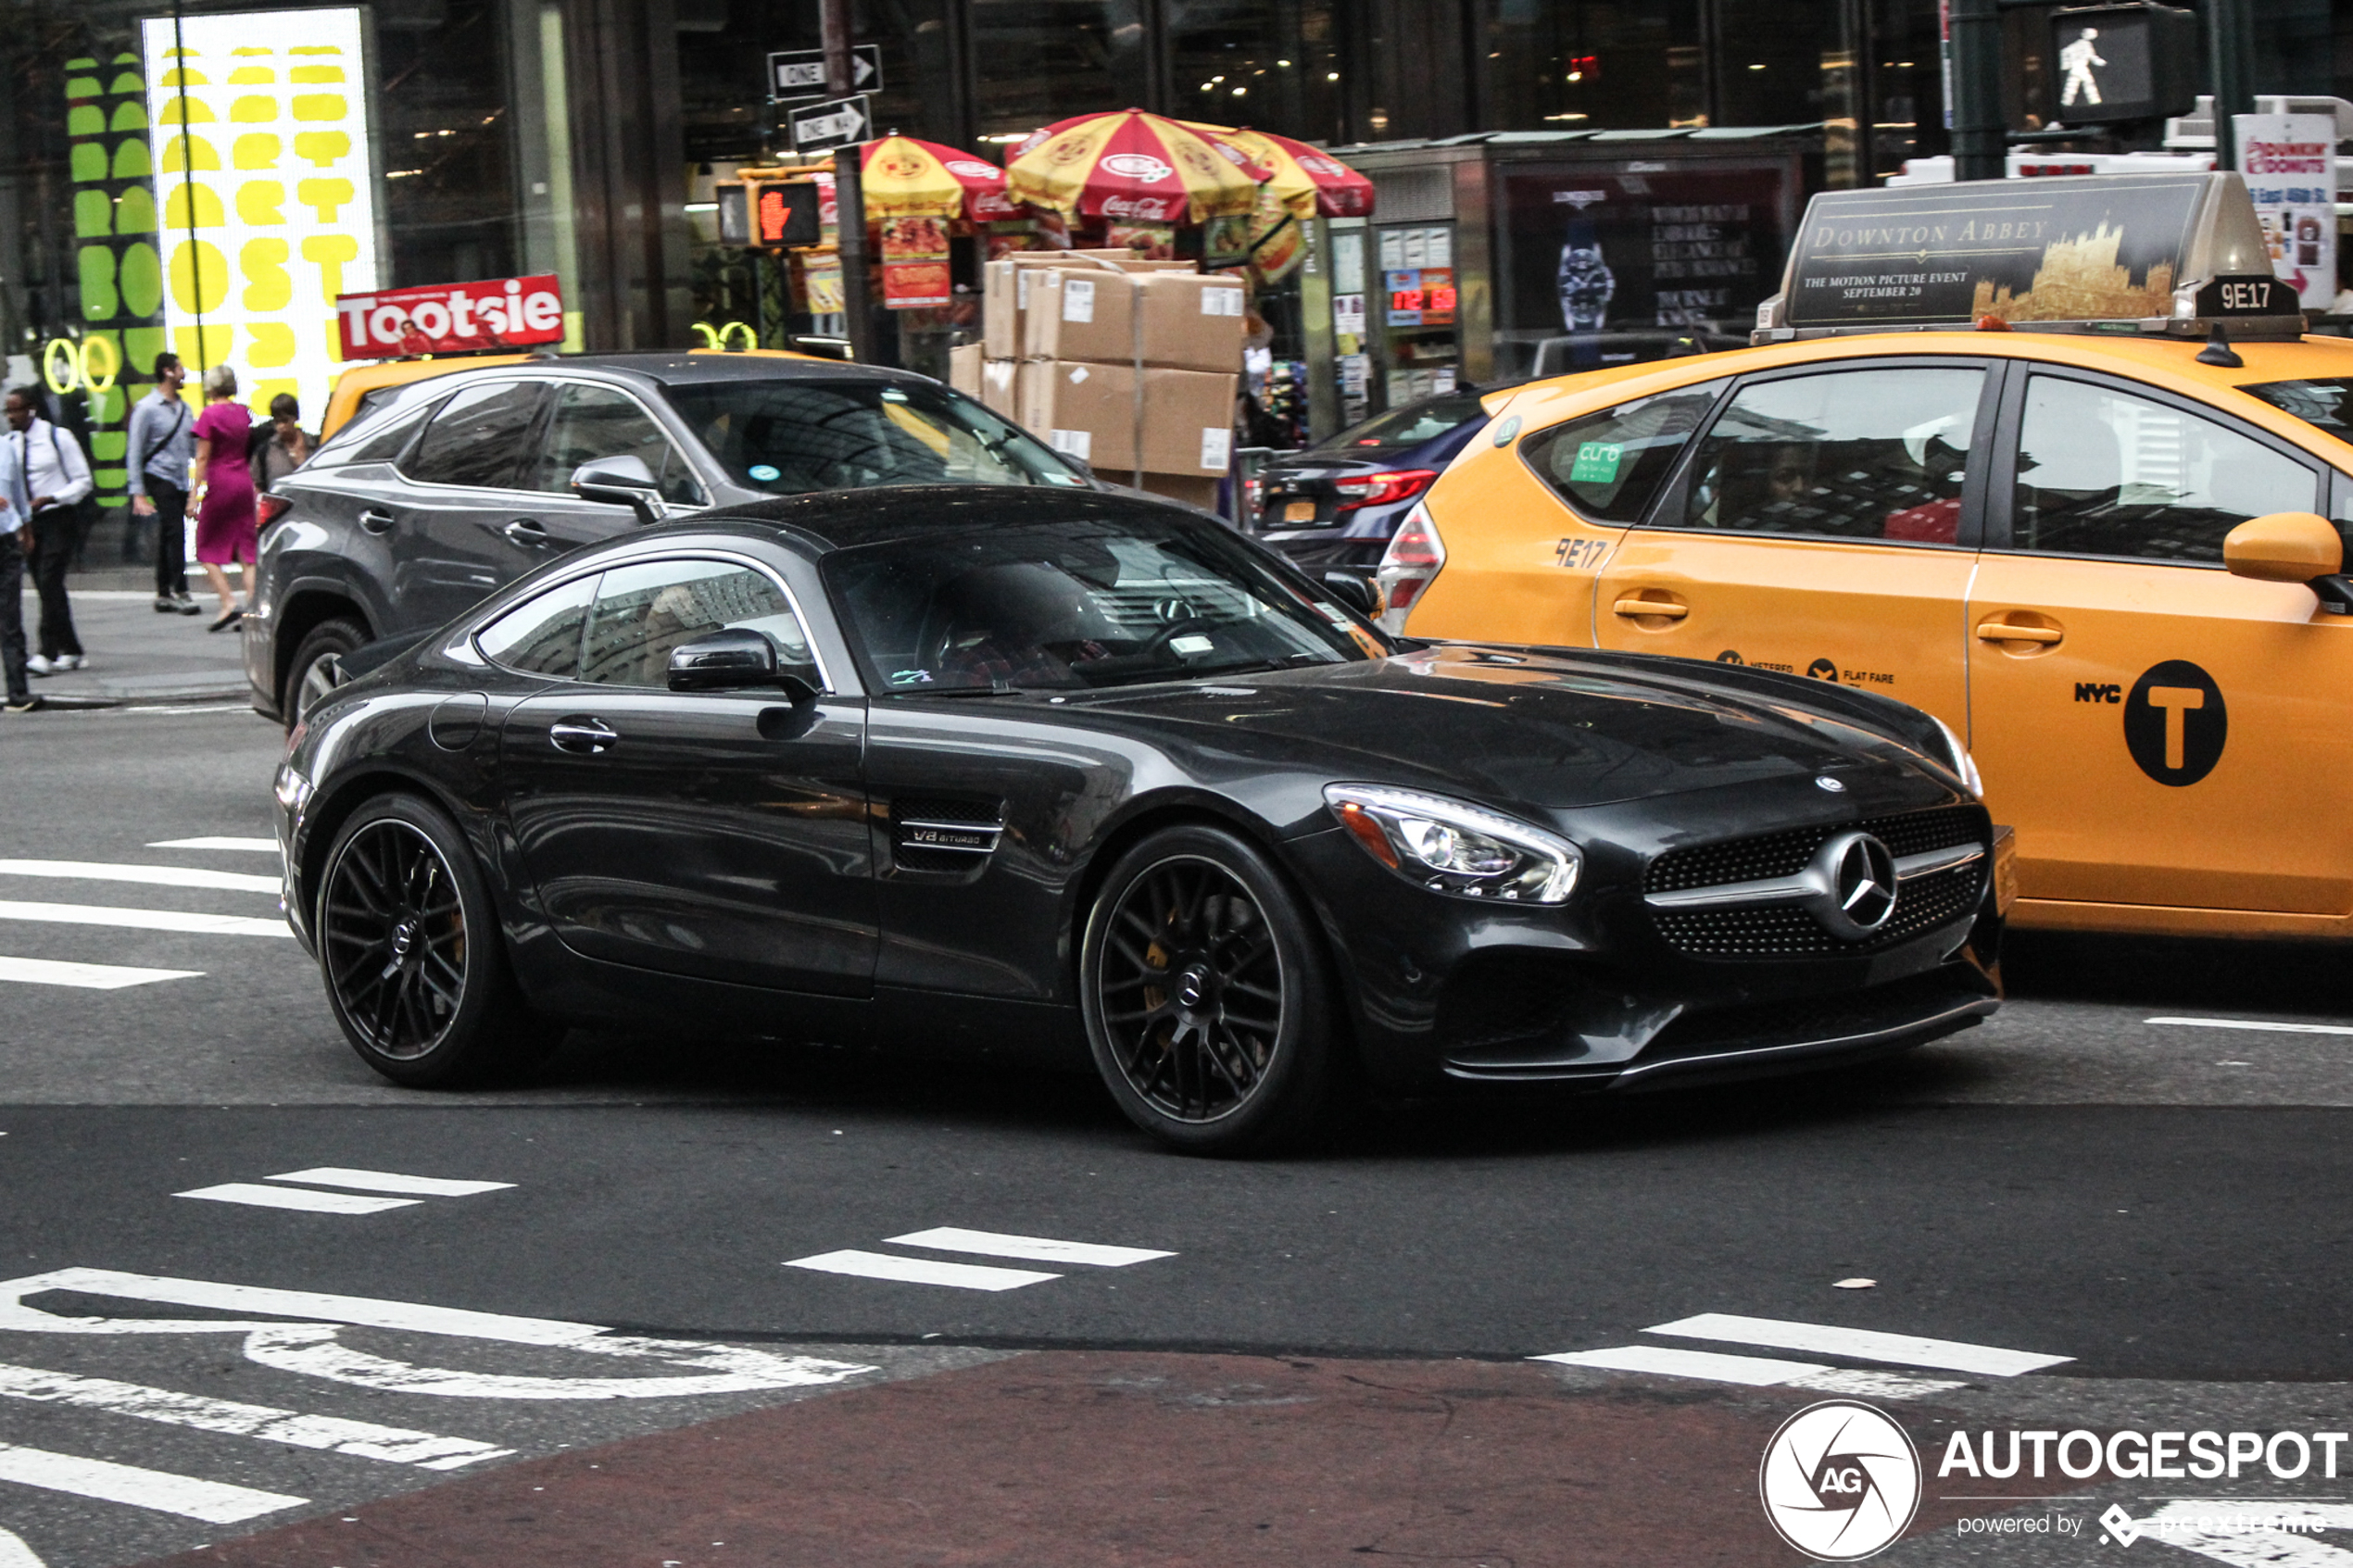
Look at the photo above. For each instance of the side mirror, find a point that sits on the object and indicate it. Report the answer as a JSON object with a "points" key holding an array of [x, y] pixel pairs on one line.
{"points": [[2291, 547], [1356, 590], [623, 480], [736, 658]]}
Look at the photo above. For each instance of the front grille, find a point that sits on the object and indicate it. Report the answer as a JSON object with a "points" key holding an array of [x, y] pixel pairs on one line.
{"points": [[1810, 1020], [1785, 931]]}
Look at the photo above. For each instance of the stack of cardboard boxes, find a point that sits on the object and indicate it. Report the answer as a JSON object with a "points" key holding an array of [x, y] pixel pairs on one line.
{"points": [[1130, 365]]}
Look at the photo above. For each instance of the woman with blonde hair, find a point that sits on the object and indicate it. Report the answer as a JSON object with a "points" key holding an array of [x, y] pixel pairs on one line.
{"points": [[221, 490]]}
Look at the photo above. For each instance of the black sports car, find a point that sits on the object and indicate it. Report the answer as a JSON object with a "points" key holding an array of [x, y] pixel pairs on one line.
{"points": [[1069, 769]]}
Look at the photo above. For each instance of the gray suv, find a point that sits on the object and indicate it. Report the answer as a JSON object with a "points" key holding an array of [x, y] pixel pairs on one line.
{"points": [[443, 490]]}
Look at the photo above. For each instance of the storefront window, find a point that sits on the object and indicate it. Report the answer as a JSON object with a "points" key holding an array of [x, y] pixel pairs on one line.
{"points": [[1272, 67], [1037, 61], [1908, 88], [1590, 65], [1778, 64]]}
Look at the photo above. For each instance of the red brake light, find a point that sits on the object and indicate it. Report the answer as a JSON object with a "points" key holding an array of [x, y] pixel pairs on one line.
{"points": [[1415, 556], [269, 509], [1379, 489]]}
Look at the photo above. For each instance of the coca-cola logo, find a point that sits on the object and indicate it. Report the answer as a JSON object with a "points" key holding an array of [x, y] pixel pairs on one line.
{"points": [[1136, 206], [1142, 167], [971, 169], [1322, 166]]}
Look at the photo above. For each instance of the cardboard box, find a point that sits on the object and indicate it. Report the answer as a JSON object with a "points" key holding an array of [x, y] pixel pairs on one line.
{"points": [[1201, 492], [1180, 321], [963, 369], [1004, 291], [997, 387], [1188, 423], [1084, 410]]}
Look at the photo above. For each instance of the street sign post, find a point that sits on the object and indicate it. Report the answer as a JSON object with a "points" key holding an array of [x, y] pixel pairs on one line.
{"points": [[820, 128], [798, 74]]}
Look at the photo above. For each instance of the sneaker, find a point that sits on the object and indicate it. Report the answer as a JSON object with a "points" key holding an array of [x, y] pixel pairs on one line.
{"points": [[26, 705], [65, 661], [167, 604], [36, 665], [185, 605]]}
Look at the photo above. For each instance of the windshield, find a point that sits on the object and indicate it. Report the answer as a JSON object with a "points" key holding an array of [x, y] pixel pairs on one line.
{"points": [[1075, 605], [2327, 404], [791, 436], [1409, 426]]}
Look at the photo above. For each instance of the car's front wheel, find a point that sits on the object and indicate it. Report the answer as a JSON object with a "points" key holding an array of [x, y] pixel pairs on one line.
{"points": [[409, 946], [1206, 996], [311, 673]]}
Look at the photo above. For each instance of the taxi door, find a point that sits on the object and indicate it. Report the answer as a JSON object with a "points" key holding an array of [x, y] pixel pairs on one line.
{"points": [[1825, 525], [2159, 732]]}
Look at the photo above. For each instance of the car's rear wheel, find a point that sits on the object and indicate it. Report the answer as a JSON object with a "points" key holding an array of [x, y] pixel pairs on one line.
{"points": [[410, 946], [311, 675], [1205, 994]]}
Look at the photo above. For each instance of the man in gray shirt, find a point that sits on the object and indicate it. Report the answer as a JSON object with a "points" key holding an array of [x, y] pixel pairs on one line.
{"points": [[162, 444]]}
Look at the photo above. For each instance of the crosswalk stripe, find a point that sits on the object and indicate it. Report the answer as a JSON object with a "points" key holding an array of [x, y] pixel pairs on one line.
{"points": [[250, 845], [361, 1440], [1861, 1344], [88, 976], [388, 1180], [919, 1270], [1037, 1248], [144, 919], [260, 1196], [318, 1306], [154, 876], [215, 1502], [2256, 1025], [1756, 1372], [13, 1553]]}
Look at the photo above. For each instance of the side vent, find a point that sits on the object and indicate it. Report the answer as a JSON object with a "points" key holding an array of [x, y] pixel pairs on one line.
{"points": [[943, 833]]}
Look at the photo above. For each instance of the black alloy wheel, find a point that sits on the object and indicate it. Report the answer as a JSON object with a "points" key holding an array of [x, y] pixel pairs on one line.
{"points": [[1205, 997], [410, 946], [311, 673]]}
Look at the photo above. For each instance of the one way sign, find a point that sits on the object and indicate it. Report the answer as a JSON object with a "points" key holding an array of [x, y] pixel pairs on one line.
{"points": [[794, 74], [822, 127]]}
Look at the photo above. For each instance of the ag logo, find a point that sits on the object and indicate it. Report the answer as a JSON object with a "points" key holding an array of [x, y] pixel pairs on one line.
{"points": [[1840, 1481], [1824, 670], [2175, 723]]}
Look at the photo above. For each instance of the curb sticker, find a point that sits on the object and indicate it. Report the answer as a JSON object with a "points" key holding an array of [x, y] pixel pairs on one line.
{"points": [[1504, 432], [2175, 723], [1596, 462]]}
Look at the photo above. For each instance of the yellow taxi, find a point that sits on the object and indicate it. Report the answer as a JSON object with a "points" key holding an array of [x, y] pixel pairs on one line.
{"points": [[2098, 546]]}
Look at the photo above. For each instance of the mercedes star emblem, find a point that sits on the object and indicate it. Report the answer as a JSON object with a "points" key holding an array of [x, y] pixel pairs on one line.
{"points": [[1856, 875]]}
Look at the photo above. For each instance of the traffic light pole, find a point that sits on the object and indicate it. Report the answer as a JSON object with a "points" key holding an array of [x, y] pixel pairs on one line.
{"points": [[1981, 148], [850, 203], [2230, 43]]}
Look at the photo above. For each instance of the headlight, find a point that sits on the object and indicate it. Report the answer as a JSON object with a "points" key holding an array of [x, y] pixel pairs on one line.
{"points": [[292, 789], [1454, 846], [1962, 762]]}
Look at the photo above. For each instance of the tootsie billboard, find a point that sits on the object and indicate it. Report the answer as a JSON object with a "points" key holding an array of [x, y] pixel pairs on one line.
{"points": [[451, 317]]}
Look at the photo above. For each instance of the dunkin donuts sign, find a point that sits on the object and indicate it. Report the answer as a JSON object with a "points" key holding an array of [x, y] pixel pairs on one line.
{"points": [[451, 317]]}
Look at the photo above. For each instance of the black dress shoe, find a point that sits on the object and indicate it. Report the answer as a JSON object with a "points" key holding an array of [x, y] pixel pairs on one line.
{"points": [[228, 617]]}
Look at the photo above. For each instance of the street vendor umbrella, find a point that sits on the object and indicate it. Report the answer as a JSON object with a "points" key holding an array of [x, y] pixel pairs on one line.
{"points": [[904, 178], [1135, 166], [1306, 180]]}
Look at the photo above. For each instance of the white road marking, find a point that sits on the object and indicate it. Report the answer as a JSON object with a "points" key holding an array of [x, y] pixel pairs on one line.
{"points": [[1862, 1344], [261, 1196], [1037, 1248], [256, 846], [13, 1553], [86, 977], [2251, 1548], [728, 1369], [1755, 1372], [317, 1306], [387, 1181], [361, 1439], [154, 876], [2254, 1023], [144, 919], [212, 1501], [919, 1270]]}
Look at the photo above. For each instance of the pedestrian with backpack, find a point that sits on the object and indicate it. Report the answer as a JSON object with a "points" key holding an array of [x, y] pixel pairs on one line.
{"points": [[56, 478], [162, 444]]}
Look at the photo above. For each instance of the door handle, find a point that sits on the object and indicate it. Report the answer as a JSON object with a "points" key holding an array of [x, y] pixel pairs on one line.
{"points": [[2011, 632], [1665, 609], [525, 533], [376, 521], [583, 735]]}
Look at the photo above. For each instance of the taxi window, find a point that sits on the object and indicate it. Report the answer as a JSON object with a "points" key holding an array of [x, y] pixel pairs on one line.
{"points": [[644, 612], [2326, 402], [2101, 472], [1608, 465], [1871, 454]]}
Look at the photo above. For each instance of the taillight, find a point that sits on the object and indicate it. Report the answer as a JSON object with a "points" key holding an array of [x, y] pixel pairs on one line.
{"points": [[1415, 556], [269, 508], [1253, 499], [1379, 489]]}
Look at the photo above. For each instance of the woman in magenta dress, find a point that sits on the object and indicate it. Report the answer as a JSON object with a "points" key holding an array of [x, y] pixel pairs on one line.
{"points": [[222, 489]]}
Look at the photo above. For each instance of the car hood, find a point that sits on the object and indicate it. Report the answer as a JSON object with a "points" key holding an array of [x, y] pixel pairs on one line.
{"points": [[1547, 730]]}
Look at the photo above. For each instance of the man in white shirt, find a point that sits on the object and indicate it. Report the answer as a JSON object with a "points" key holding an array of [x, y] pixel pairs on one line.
{"points": [[55, 479], [16, 537]]}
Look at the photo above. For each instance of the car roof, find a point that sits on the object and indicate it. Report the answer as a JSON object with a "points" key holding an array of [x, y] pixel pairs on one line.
{"points": [[843, 520]]}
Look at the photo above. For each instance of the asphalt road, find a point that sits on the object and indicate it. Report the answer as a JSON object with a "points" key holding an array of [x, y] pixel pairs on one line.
{"points": [[2108, 1220]]}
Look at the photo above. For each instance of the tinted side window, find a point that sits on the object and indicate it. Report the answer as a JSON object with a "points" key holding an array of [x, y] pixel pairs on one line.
{"points": [[373, 435], [2105, 474], [478, 436], [1607, 465], [541, 635], [597, 421], [1849, 454], [644, 612]]}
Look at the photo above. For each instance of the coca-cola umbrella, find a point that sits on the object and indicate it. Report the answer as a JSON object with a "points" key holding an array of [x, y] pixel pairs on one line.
{"points": [[1133, 165], [902, 176], [1305, 179]]}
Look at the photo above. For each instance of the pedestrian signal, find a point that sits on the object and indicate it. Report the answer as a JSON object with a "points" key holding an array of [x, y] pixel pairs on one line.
{"points": [[2110, 64]]}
